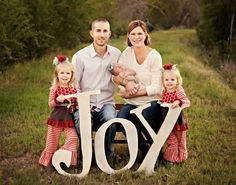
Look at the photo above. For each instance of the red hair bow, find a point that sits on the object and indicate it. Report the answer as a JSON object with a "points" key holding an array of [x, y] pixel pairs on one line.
{"points": [[168, 66], [61, 58]]}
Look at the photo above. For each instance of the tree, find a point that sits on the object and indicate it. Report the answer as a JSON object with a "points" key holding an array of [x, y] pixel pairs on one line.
{"points": [[29, 29], [16, 33], [217, 28], [188, 13], [166, 14], [132, 9]]}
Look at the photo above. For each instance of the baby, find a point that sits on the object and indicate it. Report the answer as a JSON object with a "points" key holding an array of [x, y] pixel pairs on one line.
{"points": [[125, 73]]}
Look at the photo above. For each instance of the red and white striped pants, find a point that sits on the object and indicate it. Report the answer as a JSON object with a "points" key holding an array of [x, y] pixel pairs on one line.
{"points": [[176, 150], [52, 142]]}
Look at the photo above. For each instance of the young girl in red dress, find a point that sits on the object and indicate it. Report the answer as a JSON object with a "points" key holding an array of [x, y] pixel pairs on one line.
{"points": [[176, 150], [61, 117]]}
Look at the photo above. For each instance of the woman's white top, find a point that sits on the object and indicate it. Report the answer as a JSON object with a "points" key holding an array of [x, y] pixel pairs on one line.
{"points": [[149, 74]]}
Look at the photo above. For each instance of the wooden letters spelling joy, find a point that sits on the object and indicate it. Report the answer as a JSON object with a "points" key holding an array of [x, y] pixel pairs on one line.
{"points": [[131, 135]]}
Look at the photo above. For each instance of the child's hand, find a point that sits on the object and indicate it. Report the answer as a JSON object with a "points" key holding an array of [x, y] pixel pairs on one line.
{"points": [[60, 98], [175, 104]]}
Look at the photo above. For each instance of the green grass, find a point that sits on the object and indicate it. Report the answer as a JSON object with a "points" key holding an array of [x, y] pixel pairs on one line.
{"points": [[211, 139]]}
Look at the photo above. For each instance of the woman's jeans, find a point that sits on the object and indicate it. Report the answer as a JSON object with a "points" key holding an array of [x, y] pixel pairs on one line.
{"points": [[152, 114], [98, 118]]}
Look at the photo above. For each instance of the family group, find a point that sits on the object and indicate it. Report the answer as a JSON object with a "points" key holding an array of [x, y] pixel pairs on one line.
{"points": [[141, 78]]}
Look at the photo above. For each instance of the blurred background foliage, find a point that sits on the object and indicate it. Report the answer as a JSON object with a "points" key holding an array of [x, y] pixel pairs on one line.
{"points": [[31, 29]]}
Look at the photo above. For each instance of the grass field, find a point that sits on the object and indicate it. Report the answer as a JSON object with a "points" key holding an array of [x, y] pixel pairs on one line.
{"points": [[211, 140]]}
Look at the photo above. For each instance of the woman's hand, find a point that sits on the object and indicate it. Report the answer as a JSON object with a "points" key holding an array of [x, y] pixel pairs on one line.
{"points": [[131, 88], [126, 95], [60, 98], [138, 92]]}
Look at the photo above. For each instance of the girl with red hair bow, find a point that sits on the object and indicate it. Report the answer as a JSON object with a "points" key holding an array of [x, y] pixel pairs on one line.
{"points": [[173, 92], [61, 118]]}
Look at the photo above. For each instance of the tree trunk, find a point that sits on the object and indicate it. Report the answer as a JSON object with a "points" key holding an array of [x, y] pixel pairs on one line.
{"points": [[231, 34]]}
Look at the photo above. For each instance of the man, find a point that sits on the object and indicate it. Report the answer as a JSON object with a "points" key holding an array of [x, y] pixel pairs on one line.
{"points": [[91, 65]]}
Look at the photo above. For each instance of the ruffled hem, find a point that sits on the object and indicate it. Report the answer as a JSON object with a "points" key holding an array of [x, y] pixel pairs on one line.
{"points": [[46, 158], [74, 158], [57, 123], [182, 127], [171, 155]]}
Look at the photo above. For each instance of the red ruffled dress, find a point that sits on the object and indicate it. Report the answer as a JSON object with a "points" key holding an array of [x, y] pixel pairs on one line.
{"points": [[170, 97], [62, 115], [61, 119], [176, 150]]}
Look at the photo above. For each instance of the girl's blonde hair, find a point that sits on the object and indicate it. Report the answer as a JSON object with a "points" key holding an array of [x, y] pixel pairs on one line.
{"points": [[177, 74], [55, 82]]}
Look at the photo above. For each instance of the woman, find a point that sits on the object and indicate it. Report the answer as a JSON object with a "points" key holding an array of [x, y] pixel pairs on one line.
{"points": [[147, 64]]}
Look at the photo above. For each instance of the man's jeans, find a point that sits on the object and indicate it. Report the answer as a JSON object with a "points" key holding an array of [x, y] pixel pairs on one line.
{"points": [[152, 114], [98, 118]]}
